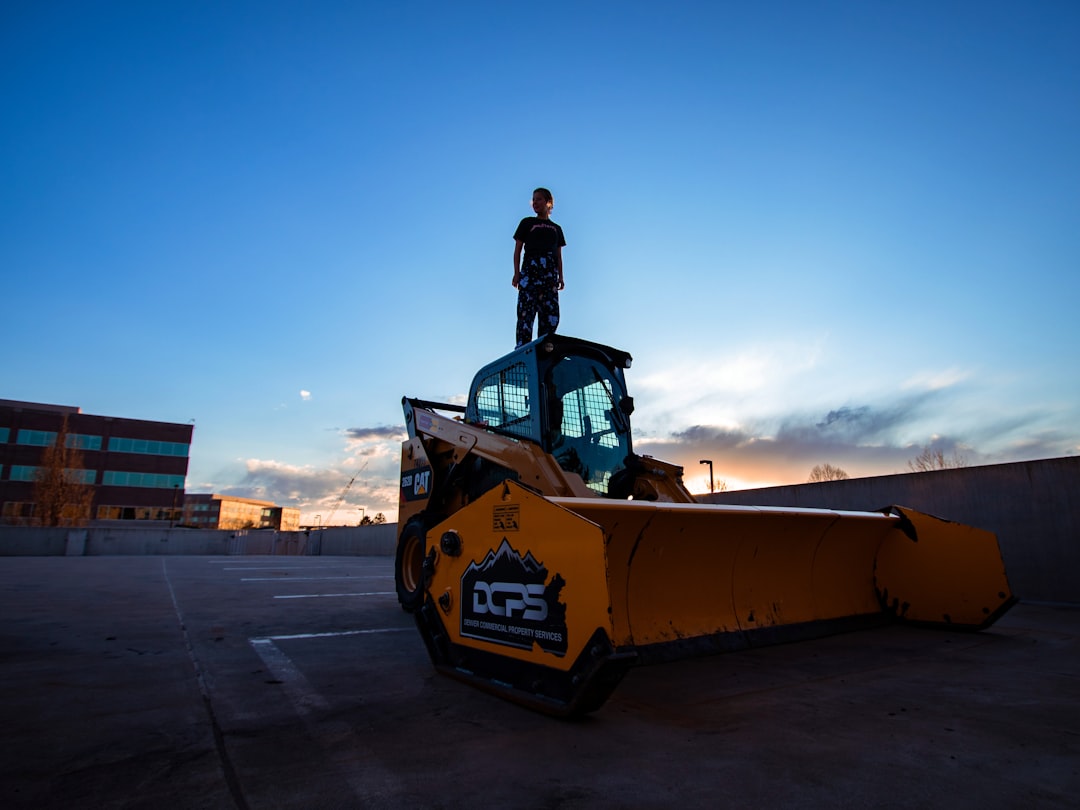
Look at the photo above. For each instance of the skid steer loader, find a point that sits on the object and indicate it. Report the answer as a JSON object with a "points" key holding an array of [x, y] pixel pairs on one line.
{"points": [[541, 557]]}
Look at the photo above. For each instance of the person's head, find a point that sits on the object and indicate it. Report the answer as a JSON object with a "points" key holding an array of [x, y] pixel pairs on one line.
{"points": [[542, 202]]}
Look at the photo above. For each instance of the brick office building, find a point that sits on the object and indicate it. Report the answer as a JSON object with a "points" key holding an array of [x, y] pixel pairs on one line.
{"points": [[137, 468], [212, 511]]}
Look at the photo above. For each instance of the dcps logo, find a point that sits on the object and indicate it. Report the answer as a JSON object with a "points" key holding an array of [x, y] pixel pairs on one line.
{"points": [[504, 598], [507, 599]]}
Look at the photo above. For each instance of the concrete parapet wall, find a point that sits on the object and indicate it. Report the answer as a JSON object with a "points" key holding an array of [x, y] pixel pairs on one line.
{"points": [[1032, 506], [22, 541], [364, 541]]}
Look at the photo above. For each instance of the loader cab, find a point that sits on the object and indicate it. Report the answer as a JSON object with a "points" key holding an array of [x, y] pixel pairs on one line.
{"points": [[565, 394]]}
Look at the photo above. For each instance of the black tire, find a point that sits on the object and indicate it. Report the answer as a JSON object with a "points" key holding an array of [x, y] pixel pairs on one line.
{"points": [[409, 565]]}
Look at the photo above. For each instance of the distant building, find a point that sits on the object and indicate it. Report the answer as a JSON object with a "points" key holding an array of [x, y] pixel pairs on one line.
{"points": [[283, 518], [213, 511], [137, 468]]}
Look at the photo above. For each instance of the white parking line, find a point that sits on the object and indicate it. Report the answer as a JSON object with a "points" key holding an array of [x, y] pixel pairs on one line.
{"points": [[364, 773], [327, 595], [368, 632], [297, 579], [279, 567], [266, 559], [234, 559]]}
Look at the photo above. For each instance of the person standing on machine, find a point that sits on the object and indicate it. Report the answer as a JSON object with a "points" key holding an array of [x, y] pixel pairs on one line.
{"points": [[539, 277]]}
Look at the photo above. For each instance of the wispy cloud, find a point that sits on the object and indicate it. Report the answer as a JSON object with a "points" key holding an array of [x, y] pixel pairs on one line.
{"points": [[934, 380], [864, 440], [861, 424], [305, 395], [388, 432], [715, 387], [285, 483]]}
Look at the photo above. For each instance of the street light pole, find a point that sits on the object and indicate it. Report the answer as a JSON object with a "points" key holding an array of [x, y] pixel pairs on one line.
{"points": [[709, 462]]}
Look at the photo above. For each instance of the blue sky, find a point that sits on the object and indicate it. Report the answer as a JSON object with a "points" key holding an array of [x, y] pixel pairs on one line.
{"points": [[828, 232]]}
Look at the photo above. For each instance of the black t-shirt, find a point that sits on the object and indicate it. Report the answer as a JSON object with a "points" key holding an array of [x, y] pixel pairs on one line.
{"points": [[541, 237]]}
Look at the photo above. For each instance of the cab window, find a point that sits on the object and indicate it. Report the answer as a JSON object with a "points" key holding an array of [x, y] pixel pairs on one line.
{"points": [[590, 434], [502, 400]]}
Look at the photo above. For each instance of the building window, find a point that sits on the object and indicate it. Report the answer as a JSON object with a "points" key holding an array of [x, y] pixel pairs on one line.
{"points": [[113, 478], [36, 438], [47, 438], [80, 476], [81, 441], [148, 447], [72, 475], [159, 513], [18, 509], [4, 434]]}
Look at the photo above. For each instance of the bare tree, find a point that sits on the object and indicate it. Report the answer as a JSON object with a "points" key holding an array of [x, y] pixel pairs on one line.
{"points": [[375, 521], [935, 459], [62, 497], [826, 472]]}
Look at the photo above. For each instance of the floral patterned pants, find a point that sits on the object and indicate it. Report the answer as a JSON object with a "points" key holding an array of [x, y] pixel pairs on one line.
{"points": [[538, 295]]}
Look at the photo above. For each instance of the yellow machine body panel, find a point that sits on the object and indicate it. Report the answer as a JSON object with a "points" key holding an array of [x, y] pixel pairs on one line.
{"points": [[528, 582]]}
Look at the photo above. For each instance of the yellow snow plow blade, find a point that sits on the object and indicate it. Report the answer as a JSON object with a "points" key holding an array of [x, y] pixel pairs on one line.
{"points": [[549, 600], [736, 575]]}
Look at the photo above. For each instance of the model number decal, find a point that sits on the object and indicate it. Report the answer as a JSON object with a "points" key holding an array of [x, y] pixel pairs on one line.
{"points": [[416, 484]]}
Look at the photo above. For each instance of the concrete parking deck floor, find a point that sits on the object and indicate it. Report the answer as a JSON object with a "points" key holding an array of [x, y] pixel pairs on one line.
{"points": [[269, 682]]}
